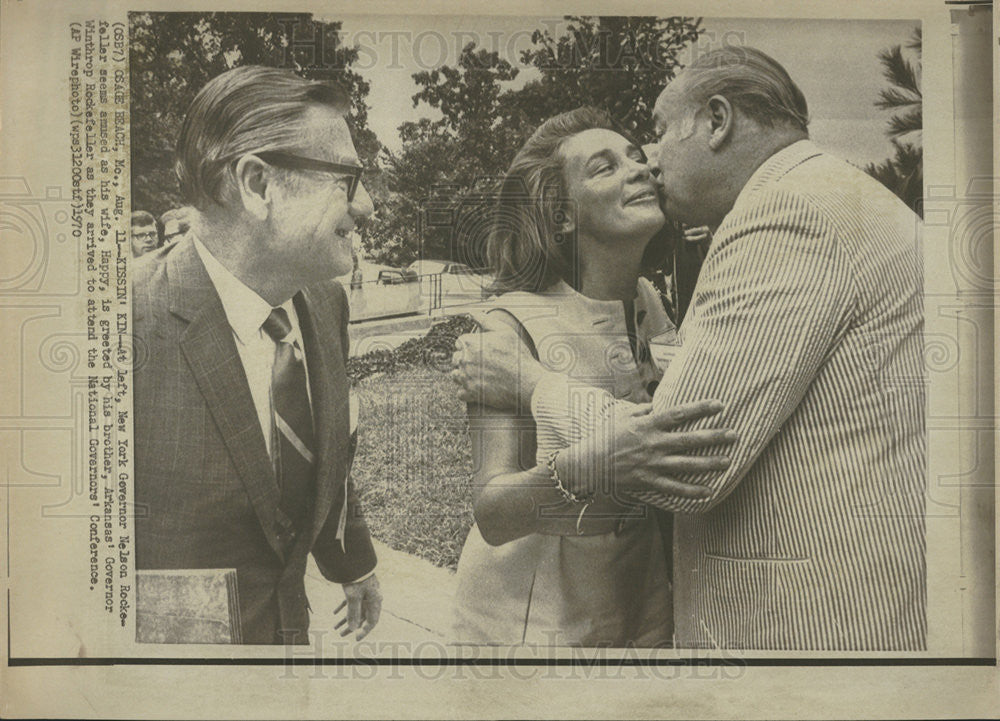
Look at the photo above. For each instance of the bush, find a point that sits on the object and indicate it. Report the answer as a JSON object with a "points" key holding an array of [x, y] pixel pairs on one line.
{"points": [[433, 350], [413, 467]]}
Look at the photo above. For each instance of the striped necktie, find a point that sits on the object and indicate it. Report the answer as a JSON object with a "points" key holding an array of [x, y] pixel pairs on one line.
{"points": [[292, 438]]}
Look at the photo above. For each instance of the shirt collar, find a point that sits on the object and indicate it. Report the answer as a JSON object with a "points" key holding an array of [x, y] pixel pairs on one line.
{"points": [[245, 310], [780, 163]]}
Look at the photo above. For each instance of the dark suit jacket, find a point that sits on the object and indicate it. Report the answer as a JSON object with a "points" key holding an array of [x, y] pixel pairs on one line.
{"points": [[206, 495]]}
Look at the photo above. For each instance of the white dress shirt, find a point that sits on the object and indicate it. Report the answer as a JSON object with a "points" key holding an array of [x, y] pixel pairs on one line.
{"points": [[246, 312]]}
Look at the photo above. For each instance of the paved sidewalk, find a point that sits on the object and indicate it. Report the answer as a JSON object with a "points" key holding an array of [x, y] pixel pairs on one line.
{"points": [[416, 605], [412, 327]]}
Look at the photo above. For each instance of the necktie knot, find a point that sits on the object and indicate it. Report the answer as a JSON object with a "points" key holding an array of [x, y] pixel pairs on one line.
{"points": [[277, 325]]}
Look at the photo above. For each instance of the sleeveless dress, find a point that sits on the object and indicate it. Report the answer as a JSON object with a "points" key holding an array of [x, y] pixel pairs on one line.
{"points": [[610, 586]]}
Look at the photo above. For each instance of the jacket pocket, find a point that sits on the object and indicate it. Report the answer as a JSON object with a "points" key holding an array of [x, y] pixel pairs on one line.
{"points": [[763, 603]]}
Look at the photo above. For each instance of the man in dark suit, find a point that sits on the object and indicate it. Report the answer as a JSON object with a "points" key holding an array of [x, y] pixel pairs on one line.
{"points": [[241, 397]]}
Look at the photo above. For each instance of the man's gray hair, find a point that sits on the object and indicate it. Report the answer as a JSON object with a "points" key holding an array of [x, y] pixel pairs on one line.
{"points": [[751, 80], [249, 109]]}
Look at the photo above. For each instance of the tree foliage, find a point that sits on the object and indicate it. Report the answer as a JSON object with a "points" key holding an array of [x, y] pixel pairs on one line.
{"points": [[436, 185], [619, 64], [443, 160], [427, 193], [903, 173], [173, 55]]}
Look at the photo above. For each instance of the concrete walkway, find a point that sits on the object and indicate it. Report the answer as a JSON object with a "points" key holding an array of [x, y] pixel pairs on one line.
{"points": [[416, 606], [417, 595], [361, 334]]}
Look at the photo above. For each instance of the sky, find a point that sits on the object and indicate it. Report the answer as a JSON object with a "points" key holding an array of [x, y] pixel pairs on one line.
{"points": [[834, 62]]}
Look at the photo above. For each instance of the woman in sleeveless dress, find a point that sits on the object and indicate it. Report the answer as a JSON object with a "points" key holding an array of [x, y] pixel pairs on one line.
{"points": [[576, 213]]}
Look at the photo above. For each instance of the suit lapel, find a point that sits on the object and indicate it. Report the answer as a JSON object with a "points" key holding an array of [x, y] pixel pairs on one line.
{"points": [[210, 351], [318, 314]]}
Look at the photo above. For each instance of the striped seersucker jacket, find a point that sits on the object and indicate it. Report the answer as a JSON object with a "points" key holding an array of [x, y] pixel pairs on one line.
{"points": [[807, 324]]}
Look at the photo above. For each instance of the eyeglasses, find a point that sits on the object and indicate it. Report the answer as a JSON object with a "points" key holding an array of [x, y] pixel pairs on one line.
{"points": [[146, 236], [297, 162]]}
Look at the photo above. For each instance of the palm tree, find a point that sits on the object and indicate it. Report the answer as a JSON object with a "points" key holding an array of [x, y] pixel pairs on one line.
{"points": [[903, 173]]}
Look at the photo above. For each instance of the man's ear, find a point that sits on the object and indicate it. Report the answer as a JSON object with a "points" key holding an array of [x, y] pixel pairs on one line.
{"points": [[252, 178], [720, 113]]}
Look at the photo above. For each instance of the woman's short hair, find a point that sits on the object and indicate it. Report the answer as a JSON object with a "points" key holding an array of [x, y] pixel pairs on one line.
{"points": [[244, 110], [529, 247], [752, 81]]}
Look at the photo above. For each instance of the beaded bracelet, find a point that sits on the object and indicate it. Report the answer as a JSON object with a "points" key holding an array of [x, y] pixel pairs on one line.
{"points": [[566, 493], [550, 463]]}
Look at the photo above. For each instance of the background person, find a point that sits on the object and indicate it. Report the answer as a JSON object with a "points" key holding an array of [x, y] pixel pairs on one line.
{"points": [[175, 223], [145, 234]]}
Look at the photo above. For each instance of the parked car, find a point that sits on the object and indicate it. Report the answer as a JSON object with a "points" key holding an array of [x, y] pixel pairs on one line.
{"points": [[448, 283], [444, 267], [396, 276]]}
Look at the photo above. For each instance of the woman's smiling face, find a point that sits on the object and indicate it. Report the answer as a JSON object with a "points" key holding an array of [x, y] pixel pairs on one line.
{"points": [[610, 185]]}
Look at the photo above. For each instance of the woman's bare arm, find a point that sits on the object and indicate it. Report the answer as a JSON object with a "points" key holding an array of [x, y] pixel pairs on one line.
{"points": [[509, 488]]}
